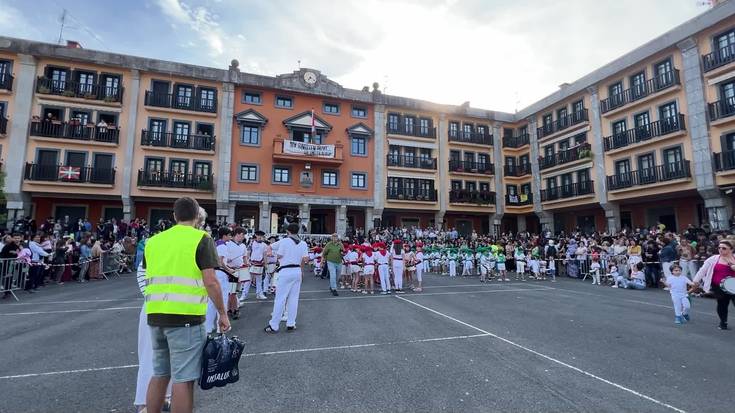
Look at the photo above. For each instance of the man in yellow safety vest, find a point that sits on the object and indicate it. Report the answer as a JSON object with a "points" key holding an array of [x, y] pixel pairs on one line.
{"points": [[180, 265]]}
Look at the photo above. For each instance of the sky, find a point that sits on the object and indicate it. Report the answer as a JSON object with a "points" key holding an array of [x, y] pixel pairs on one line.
{"points": [[497, 54]]}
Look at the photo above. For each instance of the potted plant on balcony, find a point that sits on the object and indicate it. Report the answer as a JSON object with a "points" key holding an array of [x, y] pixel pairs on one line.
{"points": [[89, 95], [44, 89], [585, 153], [68, 93], [110, 99]]}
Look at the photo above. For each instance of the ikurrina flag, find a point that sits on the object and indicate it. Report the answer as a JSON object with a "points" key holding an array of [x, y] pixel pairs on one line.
{"points": [[69, 173]]}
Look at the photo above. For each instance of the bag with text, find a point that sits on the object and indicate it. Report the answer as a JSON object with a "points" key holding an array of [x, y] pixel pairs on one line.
{"points": [[220, 359]]}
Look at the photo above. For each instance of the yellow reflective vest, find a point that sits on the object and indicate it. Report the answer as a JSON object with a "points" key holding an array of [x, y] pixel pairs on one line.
{"points": [[174, 281]]}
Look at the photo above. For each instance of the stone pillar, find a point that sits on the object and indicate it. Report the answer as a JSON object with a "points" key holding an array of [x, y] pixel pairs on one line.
{"points": [[535, 169], [612, 215], [598, 152], [223, 211], [128, 208], [380, 181], [231, 212], [442, 161], [19, 203], [340, 220], [305, 217], [439, 219], [547, 221], [521, 223], [719, 209], [264, 216], [498, 164], [369, 217], [132, 96], [496, 221], [224, 148]]}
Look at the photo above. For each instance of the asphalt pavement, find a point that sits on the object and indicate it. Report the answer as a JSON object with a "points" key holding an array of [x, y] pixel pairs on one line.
{"points": [[460, 345]]}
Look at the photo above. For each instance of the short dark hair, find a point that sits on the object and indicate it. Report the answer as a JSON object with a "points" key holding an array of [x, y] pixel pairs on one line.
{"points": [[238, 230], [639, 266], [293, 228], [186, 209], [222, 231]]}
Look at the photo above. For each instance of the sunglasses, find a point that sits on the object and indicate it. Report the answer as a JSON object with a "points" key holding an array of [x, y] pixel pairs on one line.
{"points": [[723, 248]]}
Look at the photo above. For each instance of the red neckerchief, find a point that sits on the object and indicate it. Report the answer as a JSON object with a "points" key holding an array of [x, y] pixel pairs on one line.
{"points": [[369, 253], [383, 252]]}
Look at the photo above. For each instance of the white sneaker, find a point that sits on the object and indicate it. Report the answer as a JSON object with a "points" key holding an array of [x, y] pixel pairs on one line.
{"points": [[261, 297], [285, 317]]}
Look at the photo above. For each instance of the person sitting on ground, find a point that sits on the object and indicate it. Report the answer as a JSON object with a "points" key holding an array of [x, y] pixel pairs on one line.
{"points": [[637, 279]]}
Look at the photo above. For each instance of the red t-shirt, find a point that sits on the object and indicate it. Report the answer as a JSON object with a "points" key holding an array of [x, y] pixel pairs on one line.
{"points": [[720, 272]]}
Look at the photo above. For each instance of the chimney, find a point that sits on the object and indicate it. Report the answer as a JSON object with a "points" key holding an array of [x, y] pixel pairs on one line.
{"points": [[563, 85], [73, 44]]}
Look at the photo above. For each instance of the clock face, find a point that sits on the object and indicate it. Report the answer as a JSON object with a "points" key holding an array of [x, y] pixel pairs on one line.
{"points": [[310, 78]]}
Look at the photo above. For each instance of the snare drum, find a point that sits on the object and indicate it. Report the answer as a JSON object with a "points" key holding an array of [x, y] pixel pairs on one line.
{"points": [[243, 274], [728, 285]]}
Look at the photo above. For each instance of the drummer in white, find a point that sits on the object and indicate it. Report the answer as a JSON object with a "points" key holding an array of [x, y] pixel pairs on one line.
{"points": [[293, 254]]}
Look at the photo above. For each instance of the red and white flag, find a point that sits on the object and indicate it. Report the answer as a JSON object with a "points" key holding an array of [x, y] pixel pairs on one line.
{"points": [[313, 126], [69, 173]]}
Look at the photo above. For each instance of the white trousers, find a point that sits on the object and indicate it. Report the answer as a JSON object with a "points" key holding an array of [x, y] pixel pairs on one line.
{"points": [[398, 274], [211, 317], [520, 267], [681, 304], [384, 277], [452, 268], [666, 266], [288, 288], [425, 265], [420, 272], [145, 360]]}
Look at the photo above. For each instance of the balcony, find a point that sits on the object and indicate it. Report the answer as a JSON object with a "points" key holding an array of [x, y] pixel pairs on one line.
{"points": [[73, 89], [6, 81], [721, 109], [583, 151], [411, 130], [470, 137], [516, 141], [75, 131], [718, 58], [562, 123], [518, 170], [568, 191], [519, 199], [168, 100], [70, 174], [411, 161], [285, 150], [175, 180], [3, 125], [725, 161], [466, 196], [472, 167], [411, 194], [651, 86], [661, 173], [645, 132], [177, 141]]}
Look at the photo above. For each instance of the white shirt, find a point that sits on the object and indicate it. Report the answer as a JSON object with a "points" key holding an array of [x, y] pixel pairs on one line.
{"points": [[222, 252], [678, 285], [289, 253], [380, 258], [257, 251], [235, 254]]}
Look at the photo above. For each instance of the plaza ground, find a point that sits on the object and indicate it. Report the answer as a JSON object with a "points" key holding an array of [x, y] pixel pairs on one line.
{"points": [[459, 345]]}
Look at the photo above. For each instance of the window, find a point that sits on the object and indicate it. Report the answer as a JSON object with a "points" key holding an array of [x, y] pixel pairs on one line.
{"points": [[183, 96], [511, 190], [329, 178], [202, 169], [393, 120], [359, 112], [78, 159], [526, 188], [622, 169], [112, 86], [482, 130], [484, 187], [673, 156], [5, 70], [82, 116], [580, 139], [470, 186], [359, 180], [304, 135], [249, 173], [638, 84], [561, 115], [394, 153], [727, 95], [642, 122], [547, 121], [646, 168], [86, 82], [469, 157], [524, 159], [157, 130], [207, 99], [578, 106], [724, 44], [467, 131], [424, 126], [668, 112], [409, 123], [510, 161], [454, 155], [178, 170], [425, 156], [563, 145], [615, 92], [253, 98], [523, 131], [583, 175], [456, 185], [249, 134], [549, 151], [566, 182], [153, 165], [453, 129], [551, 183], [619, 127], [58, 79], [332, 108], [284, 102], [281, 175], [359, 145], [181, 134], [663, 70], [728, 142], [483, 161]]}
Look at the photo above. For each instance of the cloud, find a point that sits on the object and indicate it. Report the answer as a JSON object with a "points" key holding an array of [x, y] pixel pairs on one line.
{"points": [[199, 19], [15, 24]]}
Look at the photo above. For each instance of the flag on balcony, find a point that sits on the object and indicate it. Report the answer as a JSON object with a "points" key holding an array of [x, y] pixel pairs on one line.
{"points": [[69, 173], [313, 126], [524, 197]]}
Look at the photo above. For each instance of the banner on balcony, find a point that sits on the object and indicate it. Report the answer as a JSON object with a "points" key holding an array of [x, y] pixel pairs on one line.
{"points": [[308, 149]]}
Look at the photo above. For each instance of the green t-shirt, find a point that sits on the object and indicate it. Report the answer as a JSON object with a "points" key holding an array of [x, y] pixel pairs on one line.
{"points": [[333, 252]]}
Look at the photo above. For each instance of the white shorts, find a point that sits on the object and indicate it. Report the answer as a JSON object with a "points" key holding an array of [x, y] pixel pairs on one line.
{"points": [[255, 270], [501, 266], [243, 274], [271, 268], [354, 268], [368, 270]]}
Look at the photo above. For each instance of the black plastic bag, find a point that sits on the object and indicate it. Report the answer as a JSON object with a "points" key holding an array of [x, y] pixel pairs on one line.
{"points": [[220, 359]]}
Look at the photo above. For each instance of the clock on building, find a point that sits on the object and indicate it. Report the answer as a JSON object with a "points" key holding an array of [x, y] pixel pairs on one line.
{"points": [[310, 78]]}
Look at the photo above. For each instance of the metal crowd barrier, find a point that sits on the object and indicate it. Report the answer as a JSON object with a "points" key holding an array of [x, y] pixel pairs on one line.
{"points": [[13, 276]]}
